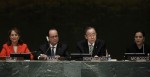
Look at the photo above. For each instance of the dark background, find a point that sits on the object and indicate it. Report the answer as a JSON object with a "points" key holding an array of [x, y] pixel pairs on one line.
{"points": [[115, 21]]}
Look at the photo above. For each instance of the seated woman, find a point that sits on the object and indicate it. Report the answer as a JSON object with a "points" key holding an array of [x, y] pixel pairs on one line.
{"points": [[139, 45], [14, 44]]}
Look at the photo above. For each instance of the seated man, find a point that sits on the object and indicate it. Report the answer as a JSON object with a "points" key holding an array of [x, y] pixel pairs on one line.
{"points": [[91, 44], [53, 47]]}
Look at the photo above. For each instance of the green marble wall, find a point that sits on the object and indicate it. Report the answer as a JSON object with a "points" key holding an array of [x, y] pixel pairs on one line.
{"points": [[74, 69]]}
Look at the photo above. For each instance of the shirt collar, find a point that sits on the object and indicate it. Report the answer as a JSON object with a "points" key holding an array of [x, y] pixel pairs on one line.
{"points": [[91, 44], [53, 46]]}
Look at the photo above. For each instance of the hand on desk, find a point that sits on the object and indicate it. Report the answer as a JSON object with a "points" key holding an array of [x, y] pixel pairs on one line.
{"points": [[95, 56], [42, 57]]}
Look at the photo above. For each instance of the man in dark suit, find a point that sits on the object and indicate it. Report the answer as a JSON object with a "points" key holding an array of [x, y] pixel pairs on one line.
{"points": [[91, 44], [53, 47]]}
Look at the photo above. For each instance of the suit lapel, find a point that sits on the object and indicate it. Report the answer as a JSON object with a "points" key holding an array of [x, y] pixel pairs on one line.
{"points": [[86, 47], [48, 50], [11, 49], [58, 49], [97, 46]]}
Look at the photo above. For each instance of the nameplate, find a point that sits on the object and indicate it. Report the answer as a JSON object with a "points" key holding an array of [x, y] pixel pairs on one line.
{"points": [[133, 58], [87, 58], [49, 58], [103, 58]]}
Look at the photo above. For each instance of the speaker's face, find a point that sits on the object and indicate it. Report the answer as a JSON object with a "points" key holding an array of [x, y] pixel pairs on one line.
{"points": [[91, 35], [139, 39], [53, 37], [14, 37]]}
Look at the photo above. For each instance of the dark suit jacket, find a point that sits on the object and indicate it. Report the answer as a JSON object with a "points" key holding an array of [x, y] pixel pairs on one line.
{"points": [[61, 50], [99, 47]]}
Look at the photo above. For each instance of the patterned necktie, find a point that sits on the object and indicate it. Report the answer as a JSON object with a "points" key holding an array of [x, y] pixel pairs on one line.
{"points": [[52, 51], [91, 49]]}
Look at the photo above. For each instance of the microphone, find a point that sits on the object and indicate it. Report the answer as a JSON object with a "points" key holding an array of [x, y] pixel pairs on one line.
{"points": [[106, 52], [45, 52], [44, 56], [49, 46]]}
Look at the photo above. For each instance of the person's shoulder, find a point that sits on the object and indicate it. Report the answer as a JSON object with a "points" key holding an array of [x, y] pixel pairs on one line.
{"points": [[100, 41], [131, 46], [81, 41], [23, 44], [147, 45], [62, 44], [44, 45], [5, 45]]}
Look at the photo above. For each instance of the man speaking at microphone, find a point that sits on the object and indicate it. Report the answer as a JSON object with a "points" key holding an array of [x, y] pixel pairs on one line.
{"points": [[53, 48]]}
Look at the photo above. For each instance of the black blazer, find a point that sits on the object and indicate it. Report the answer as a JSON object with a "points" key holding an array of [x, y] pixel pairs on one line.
{"points": [[61, 50], [99, 47]]}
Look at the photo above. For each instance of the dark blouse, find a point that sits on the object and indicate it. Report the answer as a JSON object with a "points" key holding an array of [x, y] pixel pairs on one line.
{"points": [[134, 49]]}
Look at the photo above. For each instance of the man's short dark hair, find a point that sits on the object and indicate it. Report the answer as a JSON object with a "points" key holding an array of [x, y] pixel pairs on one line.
{"points": [[52, 29], [89, 27]]}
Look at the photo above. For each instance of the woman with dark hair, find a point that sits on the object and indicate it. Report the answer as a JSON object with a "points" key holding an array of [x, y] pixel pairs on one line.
{"points": [[14, 44], [139, 45]]}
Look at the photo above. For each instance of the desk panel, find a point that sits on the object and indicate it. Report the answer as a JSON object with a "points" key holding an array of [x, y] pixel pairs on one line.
{"points": [[74, 69]]}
